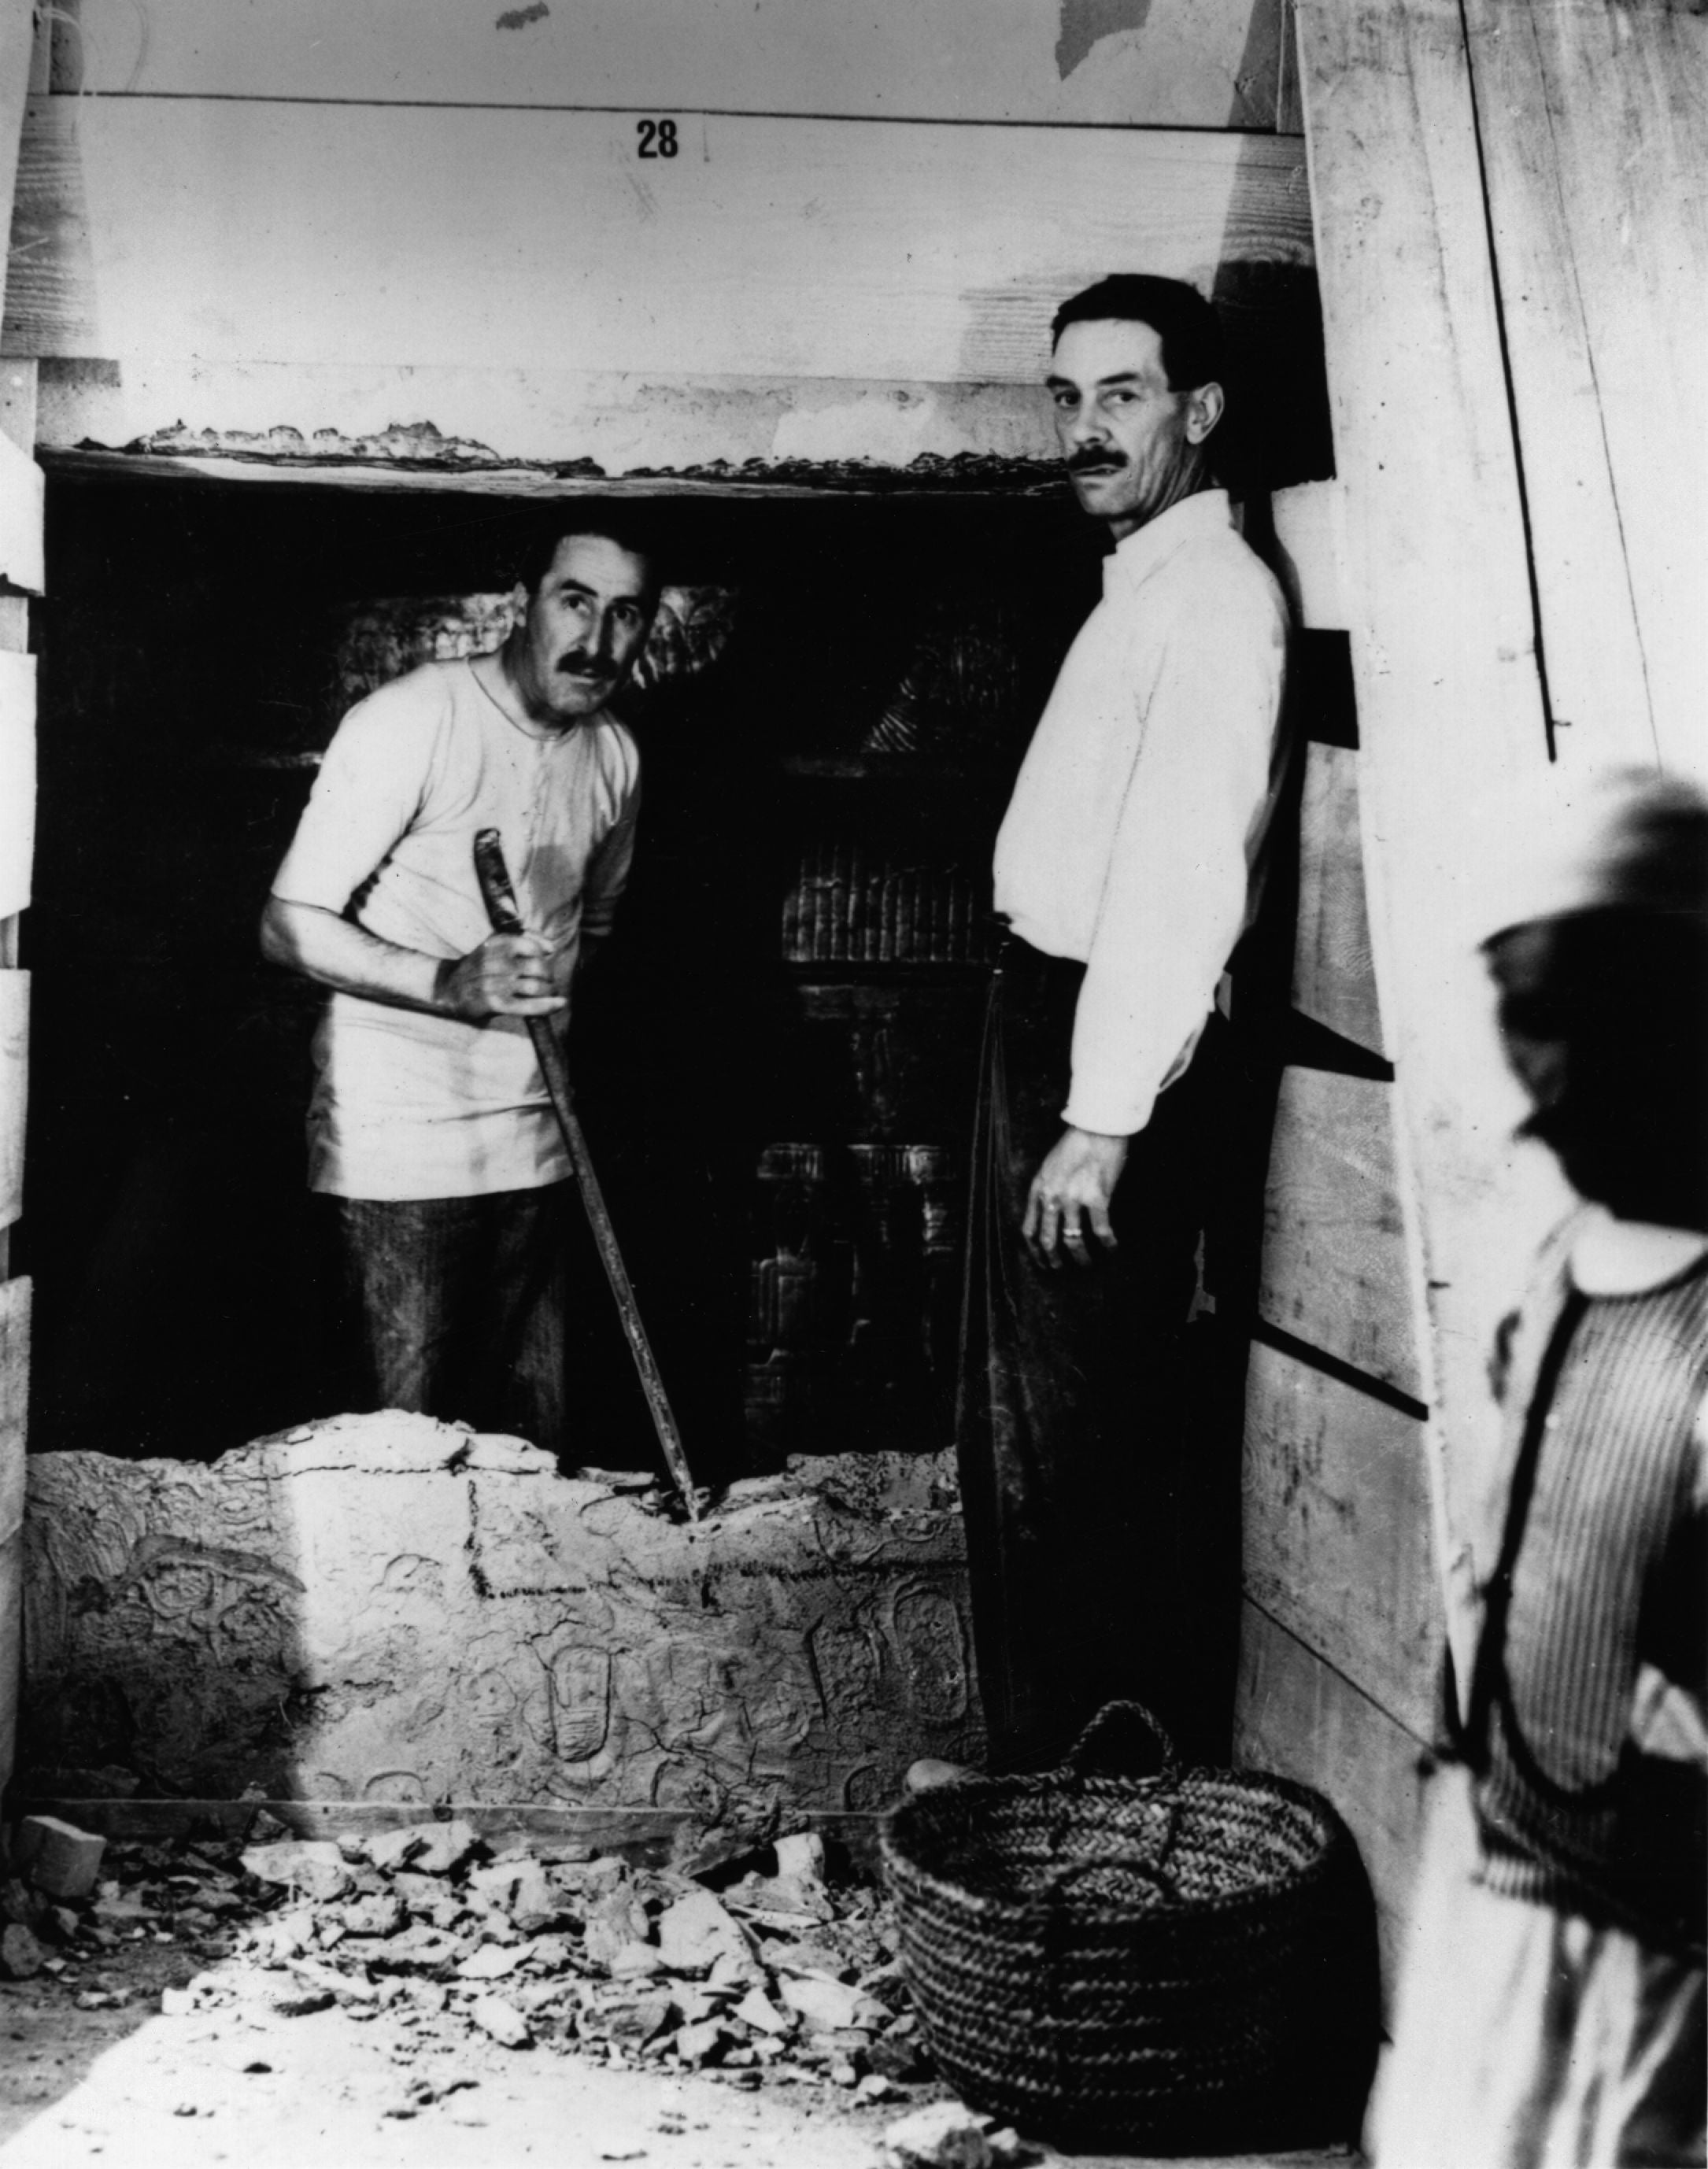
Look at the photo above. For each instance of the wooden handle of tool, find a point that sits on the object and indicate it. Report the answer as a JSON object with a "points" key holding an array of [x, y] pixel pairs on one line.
{"points": [[495, 878], [502, 909]]}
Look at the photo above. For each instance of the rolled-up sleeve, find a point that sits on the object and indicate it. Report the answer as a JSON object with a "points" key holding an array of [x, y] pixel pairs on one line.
{"points": [[1174, 904]]}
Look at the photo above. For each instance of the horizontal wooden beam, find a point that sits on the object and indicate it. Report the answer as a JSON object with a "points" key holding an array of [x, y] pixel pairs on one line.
{"points": [[652, 1833], [1175, 63]]}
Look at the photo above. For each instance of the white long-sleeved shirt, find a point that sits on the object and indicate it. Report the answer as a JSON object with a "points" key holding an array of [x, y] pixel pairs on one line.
{"points": [[1133, 839]]}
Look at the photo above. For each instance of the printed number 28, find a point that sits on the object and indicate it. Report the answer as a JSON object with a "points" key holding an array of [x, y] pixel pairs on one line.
{"points": [[657, 139]]}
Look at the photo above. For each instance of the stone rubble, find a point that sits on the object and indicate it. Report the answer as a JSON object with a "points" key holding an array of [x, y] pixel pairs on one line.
{"points": [[771, 1970]]}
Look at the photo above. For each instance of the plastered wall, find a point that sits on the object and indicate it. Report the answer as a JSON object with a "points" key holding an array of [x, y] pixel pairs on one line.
{"points": [[383, 1608]]}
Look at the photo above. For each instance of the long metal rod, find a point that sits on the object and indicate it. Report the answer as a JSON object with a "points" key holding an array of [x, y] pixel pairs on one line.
{"points": [[501, 908]]}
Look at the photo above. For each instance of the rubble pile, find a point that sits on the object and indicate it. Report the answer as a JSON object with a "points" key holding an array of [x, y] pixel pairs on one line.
{"points": [[73, 1908], [781, 1973], [774, 1969]]}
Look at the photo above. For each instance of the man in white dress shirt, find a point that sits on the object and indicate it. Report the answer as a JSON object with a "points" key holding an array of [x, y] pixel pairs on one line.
{"points": [[1128, 866], [430, 1128]]}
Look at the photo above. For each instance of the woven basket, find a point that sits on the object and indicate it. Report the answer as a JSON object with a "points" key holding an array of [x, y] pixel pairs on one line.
{"points": [[1169, 1961]]}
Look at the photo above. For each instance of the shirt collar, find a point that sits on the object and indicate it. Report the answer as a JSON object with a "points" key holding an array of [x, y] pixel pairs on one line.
{"points": [[1611, 1257], [1137, 555]]}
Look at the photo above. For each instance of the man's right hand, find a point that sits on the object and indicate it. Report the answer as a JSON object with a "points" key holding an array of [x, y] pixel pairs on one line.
{"points": [[509, 975]]}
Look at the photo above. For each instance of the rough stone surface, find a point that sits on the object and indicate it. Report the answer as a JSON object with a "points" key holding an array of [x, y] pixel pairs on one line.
{"points": [[21, 1956], [56, 1856], [314, 1865], [944, 2135], [695, 1931], [384, 1608]]}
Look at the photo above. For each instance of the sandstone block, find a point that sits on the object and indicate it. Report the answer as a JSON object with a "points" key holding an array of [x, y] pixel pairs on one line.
{"points": [[314, 1865], [944, 2136], [827, 2006], [696, 1931], [502, 2021], [56, 1856], [21, 1956]]}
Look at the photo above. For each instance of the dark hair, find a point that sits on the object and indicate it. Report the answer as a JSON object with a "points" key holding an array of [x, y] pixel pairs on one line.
{"points": [[1185, 322], [536, 546]]}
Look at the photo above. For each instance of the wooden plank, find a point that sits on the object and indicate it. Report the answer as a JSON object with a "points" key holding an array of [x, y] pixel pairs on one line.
{"points": [[17, 780], [14, 1089], [1595, 131], [15, 1399], [22, 497], [520, 430], [50, 286], [1297, 1716], [20, 387], [649, 1833], [1310, 555], [14, 1405], [1334, 1269], [536, 241], [1170, 63], [17, 48], [1334, 975], [1450, 701], [1336, 1524]]}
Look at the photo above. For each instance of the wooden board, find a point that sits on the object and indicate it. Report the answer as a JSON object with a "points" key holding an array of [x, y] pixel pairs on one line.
{"points": [[655, 1834], [17, 778], [527, 240], [14, 1403], [1595, 132], [15, 1399], [1336, 1523], [14, 1089], [1310, 553], [1297, 1716], [17, 43], [1334, 975], [1449, 698], [1334, 1269], [21, 497], [484, 427], [50, 287], [1171, 63]]}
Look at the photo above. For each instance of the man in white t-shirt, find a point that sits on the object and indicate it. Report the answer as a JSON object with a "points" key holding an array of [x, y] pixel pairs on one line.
{"points": [[431, 1125]]}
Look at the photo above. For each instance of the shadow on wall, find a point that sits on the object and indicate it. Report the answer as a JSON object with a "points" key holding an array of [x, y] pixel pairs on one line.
{"points": [[382, 1609]]}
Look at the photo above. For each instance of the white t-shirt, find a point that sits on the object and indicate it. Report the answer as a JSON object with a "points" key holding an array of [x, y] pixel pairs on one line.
{"points": [[1133, 839], [407, 1105]]}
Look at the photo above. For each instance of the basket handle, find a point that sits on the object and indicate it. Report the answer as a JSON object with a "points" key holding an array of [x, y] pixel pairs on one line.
{"points": [[1152, 1871], [1111, 1745]]}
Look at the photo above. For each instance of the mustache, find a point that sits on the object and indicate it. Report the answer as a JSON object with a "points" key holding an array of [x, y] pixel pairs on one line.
{"points": [[1080, 461], [580, 664]]}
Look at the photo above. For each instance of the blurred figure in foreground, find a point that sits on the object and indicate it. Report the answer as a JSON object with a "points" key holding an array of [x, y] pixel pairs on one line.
{"points": [[1553, 2009]]}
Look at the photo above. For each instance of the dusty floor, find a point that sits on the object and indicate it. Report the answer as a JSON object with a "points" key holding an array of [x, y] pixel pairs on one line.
{"points": [[91, 2070]]}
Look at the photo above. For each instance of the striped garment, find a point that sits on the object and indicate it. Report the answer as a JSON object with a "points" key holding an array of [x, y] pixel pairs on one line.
{"points": [[1602, 1572]]}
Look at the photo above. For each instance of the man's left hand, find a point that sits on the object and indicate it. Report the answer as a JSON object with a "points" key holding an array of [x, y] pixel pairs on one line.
{"points": [[1069, 1201]]}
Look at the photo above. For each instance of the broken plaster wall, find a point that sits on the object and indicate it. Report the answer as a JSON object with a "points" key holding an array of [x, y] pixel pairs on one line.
{"points": [[384, 1608]]}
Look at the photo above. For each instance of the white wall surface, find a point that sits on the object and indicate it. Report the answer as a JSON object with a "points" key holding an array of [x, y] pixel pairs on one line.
{"points": [[1167, 63]]}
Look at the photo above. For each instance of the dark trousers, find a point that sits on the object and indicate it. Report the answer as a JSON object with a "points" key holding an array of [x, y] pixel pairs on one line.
{"points": [[454, 1308], [1096, 1510]]}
